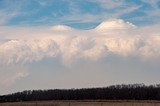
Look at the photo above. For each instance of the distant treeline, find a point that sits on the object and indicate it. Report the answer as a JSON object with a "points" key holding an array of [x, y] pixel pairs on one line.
{"points": [[115, 92]]}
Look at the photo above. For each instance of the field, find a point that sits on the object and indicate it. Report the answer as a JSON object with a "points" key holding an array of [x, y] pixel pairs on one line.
{"points": [[84, 103]]}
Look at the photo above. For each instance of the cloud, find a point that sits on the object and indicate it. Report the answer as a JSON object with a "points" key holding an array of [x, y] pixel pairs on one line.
{"points": [[76, 14], [114, 46], [25, 45], [6, 15], [114, 24], [10, 10], [8, 75], [16, 51]]}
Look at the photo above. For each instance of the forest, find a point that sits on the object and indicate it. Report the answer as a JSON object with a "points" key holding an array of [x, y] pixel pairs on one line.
{"points": [[114, 92]]}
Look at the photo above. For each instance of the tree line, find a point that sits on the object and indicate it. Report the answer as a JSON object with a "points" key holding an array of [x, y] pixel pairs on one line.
{"points": [[114, 92]]}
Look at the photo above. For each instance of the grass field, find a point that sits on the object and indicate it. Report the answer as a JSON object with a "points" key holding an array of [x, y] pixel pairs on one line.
{"points": [[84, 103]]}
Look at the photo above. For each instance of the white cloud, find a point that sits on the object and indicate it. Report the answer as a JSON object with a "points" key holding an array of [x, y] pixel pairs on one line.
{"points": [[16, 51], [9, 11], [110, 4], [20, 46], [6, 15], [110, 37], [114, 24]]}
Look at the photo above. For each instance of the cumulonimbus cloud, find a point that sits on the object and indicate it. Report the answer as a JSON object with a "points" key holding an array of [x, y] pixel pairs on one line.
{"points": [[24, 45]]}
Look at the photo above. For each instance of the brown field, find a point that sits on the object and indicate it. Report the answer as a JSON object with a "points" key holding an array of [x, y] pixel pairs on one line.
{"points": [[84, 103]]}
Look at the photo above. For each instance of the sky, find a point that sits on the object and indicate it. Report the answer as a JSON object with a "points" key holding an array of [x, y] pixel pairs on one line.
{"points": [[50, 44]]}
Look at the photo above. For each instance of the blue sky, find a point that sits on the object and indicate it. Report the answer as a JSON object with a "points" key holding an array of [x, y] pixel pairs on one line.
{"points": [[82, 14], [48, 44]]}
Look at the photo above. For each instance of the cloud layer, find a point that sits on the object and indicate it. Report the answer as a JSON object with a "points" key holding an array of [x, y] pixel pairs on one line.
{"points": [[111, 37], [23, 45]]}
